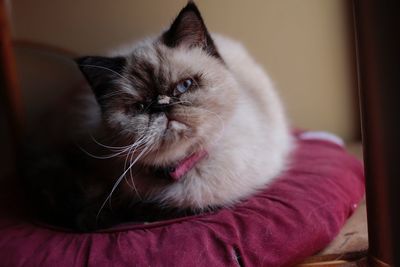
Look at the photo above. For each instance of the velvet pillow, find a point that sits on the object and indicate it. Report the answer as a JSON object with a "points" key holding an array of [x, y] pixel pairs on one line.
{"points": [[294, 217]]}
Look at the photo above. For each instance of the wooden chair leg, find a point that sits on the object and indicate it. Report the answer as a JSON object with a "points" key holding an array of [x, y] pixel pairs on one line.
{"points": [[10, 95], [378, 38]]}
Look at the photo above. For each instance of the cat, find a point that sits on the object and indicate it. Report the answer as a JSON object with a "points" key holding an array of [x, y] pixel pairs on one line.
{"points": [[185, 121]]}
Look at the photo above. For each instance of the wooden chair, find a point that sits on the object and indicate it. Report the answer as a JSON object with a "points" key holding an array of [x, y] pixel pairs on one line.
{"points": [[10, 95]]}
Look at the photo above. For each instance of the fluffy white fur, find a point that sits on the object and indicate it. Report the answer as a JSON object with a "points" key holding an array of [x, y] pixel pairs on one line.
{"points": [[231, 110], [253, 146], [245, 132]]}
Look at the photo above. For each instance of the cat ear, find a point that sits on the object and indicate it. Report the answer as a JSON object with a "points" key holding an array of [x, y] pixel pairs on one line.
{"points": [[189, 30], [101, 72]]}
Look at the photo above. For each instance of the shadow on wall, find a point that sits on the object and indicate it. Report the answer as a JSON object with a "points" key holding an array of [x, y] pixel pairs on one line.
{"points": [[306, 46]]}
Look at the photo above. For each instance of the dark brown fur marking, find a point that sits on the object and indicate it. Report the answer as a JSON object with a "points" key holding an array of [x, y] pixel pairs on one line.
{"points": [[189, 29]]}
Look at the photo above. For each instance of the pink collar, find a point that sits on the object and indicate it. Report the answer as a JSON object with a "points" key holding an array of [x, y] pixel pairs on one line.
{"points": [[185, 165]]}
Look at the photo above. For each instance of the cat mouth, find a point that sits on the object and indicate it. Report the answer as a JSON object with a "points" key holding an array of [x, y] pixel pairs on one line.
{"points": [[174, 131], [174, 126]]}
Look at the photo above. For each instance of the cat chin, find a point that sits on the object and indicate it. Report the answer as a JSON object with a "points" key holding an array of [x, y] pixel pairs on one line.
{"points": [[169, 155]]}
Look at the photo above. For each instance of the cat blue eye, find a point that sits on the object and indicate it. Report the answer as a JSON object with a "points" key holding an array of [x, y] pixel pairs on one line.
{"points": [[183, 86]]}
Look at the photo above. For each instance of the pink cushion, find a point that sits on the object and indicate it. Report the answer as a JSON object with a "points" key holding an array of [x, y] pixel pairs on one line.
{"points": [[293, 218]]}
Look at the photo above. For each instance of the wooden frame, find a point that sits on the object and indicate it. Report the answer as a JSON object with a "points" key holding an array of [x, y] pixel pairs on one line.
{"points": [[10, 94], [378, 52]]}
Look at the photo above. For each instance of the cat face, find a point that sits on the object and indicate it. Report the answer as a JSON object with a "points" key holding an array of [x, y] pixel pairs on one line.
{"points": [[170, 96]]}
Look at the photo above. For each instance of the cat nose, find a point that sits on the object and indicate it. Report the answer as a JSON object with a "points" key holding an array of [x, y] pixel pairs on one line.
{"points": [[161, 105], [154, 108]]}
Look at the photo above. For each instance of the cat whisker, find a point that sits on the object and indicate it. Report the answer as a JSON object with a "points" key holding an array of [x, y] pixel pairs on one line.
{"points": [[132, 184], [149, 105], [118, 181], [206, 110], [101, 157], [130, 157], [107, 146], [222, 123], [105, 68], [122, 176], [119, 150], [115, 93], [177, 103]]}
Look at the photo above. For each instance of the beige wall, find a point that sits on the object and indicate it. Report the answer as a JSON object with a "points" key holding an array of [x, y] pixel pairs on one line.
{"points": [[305, 45]]}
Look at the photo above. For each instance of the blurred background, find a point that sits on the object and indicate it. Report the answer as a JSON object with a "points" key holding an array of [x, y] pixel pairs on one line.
{"points": [[307, 47]]}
